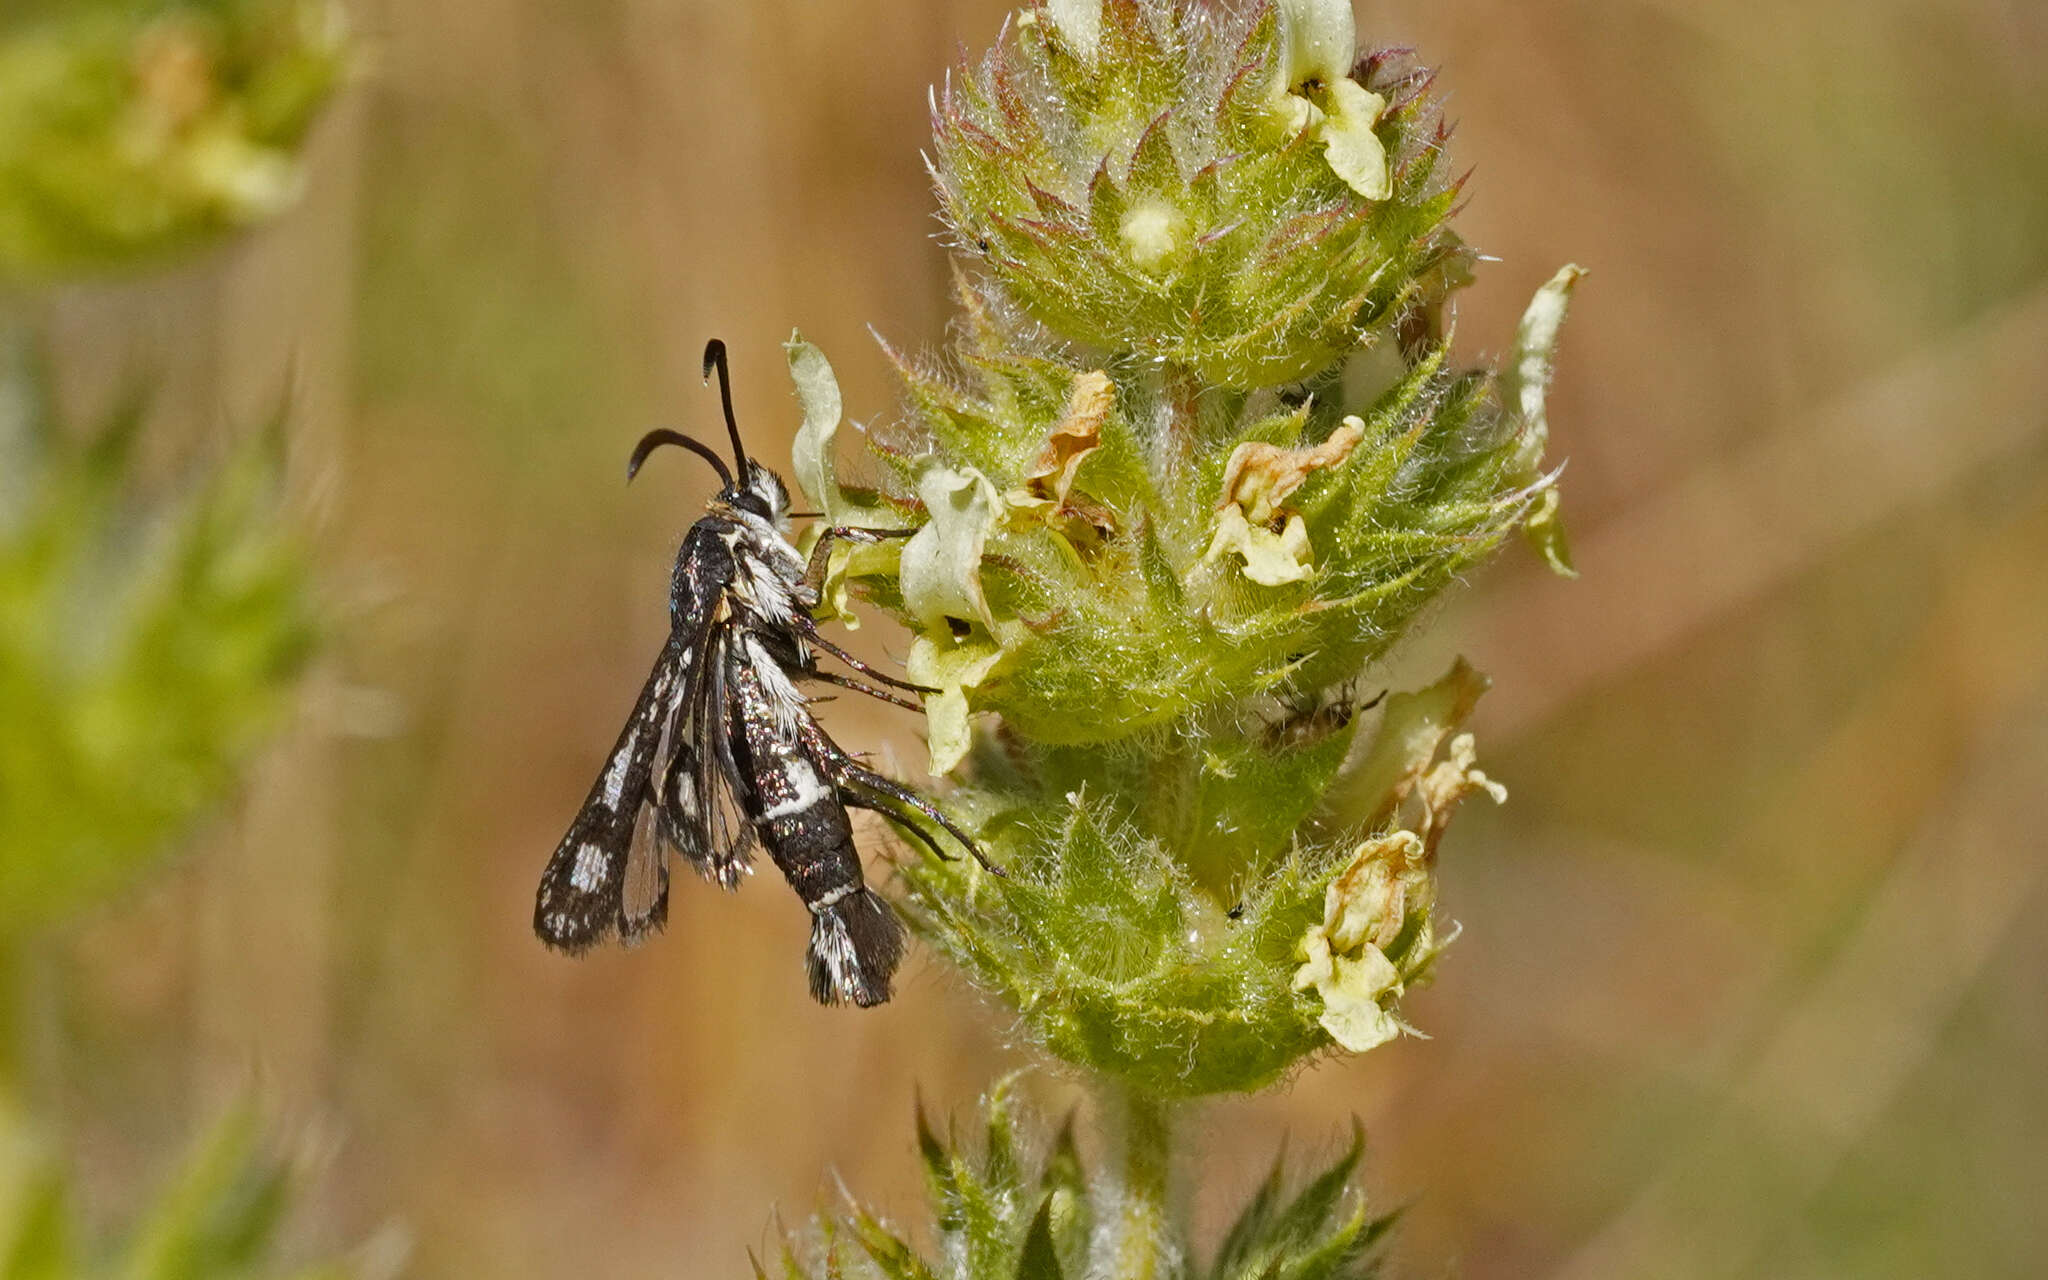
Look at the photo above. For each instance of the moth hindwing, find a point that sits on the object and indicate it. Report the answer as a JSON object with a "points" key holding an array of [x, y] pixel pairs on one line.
{"points": [[722, 754]]}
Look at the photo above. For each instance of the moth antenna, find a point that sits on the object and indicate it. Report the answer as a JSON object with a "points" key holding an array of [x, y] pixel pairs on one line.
{"points": [[662, 435], [714, 358]]}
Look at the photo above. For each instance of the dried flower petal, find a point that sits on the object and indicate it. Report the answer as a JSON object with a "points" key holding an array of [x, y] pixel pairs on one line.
{"points": [[1525, 384], [1413, 727], [1259, 476], [1079, 433]]}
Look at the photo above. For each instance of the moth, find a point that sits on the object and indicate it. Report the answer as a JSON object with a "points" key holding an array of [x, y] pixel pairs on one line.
{"points": [[721, 752]]}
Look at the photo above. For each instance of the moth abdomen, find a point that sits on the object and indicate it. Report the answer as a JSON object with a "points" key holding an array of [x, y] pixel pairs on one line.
{"points": [[856, 944], [793, 799], [856, 940]]}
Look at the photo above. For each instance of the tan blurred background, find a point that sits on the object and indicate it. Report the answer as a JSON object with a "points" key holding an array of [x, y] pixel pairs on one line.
{"points": [[1752, 980]]}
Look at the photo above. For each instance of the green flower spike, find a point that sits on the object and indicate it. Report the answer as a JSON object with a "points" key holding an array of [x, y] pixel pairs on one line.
{"points": [[1199, 456], [145, 650], [1145, 579], [222, 1214]]}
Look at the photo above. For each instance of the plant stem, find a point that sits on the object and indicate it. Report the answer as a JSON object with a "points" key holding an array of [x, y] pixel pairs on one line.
{"points": [[1138, 1245]]}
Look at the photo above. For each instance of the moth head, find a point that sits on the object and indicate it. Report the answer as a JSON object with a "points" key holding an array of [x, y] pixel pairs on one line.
{"points": [[762, 494]]}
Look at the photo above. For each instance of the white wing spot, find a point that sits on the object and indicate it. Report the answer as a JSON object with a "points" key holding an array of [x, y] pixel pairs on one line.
{"points": [[615, 776], [588, 873]]}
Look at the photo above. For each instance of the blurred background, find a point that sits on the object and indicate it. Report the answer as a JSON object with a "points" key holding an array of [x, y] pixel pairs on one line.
{"points": [[1752, 977]]}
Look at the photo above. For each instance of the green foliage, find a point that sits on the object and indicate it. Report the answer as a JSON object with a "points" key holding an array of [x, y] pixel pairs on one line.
{"points": [[1021, 1206], [145, 651], [217, 1218], [150, 632], [134, 128]]}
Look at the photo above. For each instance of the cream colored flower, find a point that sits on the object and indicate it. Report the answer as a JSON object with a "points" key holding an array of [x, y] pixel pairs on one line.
{"points": [[1365, 909], [1315, 92]]}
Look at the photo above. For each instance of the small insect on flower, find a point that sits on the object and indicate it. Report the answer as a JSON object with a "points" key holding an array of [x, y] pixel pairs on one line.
{"points": [[721, 752]]}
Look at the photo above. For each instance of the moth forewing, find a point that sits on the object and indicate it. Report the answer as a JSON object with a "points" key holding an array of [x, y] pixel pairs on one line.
{"points": [[698, 815], [581, 897]]}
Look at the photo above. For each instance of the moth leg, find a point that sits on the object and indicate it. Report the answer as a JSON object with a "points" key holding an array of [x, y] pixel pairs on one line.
{"points": [[873, 804], [821, 553], [844, 682], [868, 780], [810, 633]]}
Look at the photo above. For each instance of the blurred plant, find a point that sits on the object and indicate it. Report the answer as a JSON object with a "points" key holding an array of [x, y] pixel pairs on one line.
{"points": [[144, 652], [1023, 1208], [133, 128], [148, 641], [218, 1216], [1200, 457]]}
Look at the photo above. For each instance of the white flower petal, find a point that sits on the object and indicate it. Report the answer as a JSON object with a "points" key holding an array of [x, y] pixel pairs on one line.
{"points": [[1298, 113], [952, 667], [1270, 559], [1352, 1012], [1525, 382], [941, 573], [1355, 152], [817, 390], [1318, 39], [1154, 233]]}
